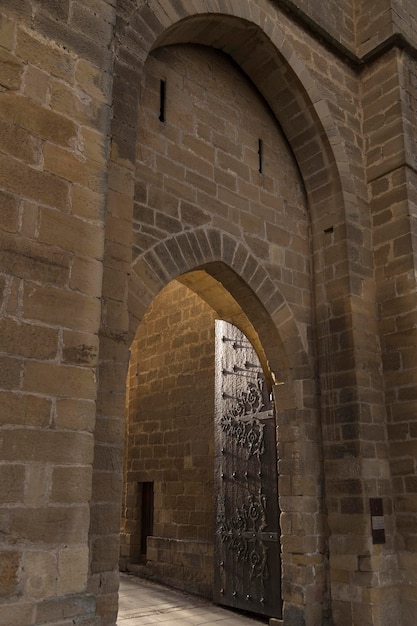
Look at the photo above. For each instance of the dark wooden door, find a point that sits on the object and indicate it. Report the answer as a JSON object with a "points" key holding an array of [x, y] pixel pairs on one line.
{"points": [[247, 547]]}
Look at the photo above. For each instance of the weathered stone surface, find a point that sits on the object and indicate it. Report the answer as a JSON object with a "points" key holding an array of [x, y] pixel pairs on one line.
{"points": [[26, 258], [40, 52], [41, 577], [33, 183], [73, 570], [50, 446], [42, 122], [80, 348], [11, 70], [16, 408], [71, 484], [9, 205], [75, 414], [19, 143], [70, 233], [68, 525], [61, 307], [9, 572], [12, 483], [32, 341]]}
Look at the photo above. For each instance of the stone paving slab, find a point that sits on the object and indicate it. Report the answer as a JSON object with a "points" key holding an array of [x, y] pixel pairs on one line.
{"points": [[143, 603]]}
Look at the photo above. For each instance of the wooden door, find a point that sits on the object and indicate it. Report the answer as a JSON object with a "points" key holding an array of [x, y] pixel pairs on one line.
{"points": [[247, 547]]}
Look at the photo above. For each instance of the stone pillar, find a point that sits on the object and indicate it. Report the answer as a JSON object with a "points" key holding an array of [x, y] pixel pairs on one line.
{"points": [[390, 95], [54, 115]]}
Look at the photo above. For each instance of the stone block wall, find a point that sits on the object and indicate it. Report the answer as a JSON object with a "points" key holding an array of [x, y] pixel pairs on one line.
{"points": [[170, 440], [389, 106], [184, 564], [102, 204], [201, 167], [55, 94], [336, 18]]}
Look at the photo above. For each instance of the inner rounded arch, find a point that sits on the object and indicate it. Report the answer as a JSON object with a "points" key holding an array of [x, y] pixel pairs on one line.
{"points": [[169, 491], [214, 293]]}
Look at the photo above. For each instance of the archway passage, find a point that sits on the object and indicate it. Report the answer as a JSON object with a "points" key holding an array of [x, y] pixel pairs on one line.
{"points": [[170, 443], [171, 499]]}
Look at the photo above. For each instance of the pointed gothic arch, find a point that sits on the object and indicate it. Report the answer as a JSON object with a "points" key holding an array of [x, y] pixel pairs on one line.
{"points": [[309, 122], [235, 268]]}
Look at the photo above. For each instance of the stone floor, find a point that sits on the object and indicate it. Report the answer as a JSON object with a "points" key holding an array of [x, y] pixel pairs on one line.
{"points": [[142, 602]]}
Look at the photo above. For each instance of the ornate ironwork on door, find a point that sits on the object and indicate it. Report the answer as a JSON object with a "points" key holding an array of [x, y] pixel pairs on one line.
{"points": [[247, 548]]}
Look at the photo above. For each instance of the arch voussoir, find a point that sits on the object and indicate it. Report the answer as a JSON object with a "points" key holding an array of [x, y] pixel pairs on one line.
{"points": [[218, 254], [186, 249], [169, 257], [229, 246], [195, 246], [240, 257]]}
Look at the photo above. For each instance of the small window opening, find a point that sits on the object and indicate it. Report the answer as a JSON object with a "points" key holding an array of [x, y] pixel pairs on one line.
{"points": [[162, 100], [260, 155], [146, 500]]}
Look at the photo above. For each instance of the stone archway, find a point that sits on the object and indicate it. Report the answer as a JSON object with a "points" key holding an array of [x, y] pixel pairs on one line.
{"points": [[274, 318], [194, 248], [327, 177], [170, 557], [233, 299]]}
